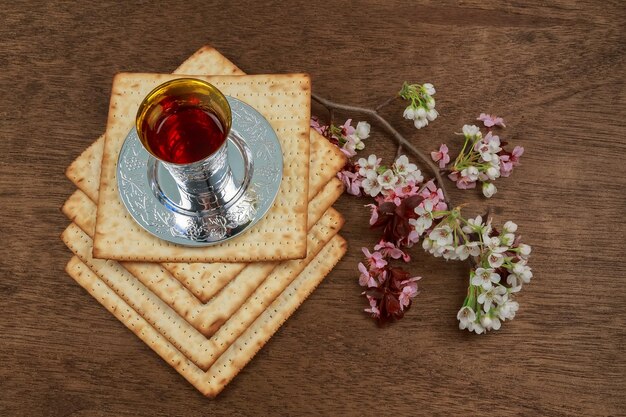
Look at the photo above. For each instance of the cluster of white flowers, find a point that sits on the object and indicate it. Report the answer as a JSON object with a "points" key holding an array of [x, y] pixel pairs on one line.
{"points": [[489, 301], [378, 179], [505, 309], [479, 161], [498, 255], [422, 107]]}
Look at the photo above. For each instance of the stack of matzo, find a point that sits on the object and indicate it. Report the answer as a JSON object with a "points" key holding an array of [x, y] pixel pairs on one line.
{"points": [[208, 318]]}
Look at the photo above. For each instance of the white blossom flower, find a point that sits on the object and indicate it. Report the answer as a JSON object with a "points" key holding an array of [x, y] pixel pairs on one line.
{"points": [[430, 103], [492, 173], [421, 224], [388, 180], [495, 259], [429, 88], [424, 209], [363, 130], [510, 227], [358, 143], [371, 185], [489, 189], [494, 295], [523, 271], [485, 151], [442, 235], [476, 327], [420, 123], [507, 310], [473, 225], [514, 282], [465, 316], [524, 249], [431, 115], [462, 252], [507, 239], [427, 244], [471, 131], [403, 166], [484, 277], [489, 322], [473, 248], [493, 243], [448, 252], [415, 176], [409, 113], [471, 173], [367, 165], [494, 144], [420, 113]]}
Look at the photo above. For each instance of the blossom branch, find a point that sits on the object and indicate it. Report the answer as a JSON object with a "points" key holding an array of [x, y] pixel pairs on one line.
{"points": [[409, 209], [401, 140]]}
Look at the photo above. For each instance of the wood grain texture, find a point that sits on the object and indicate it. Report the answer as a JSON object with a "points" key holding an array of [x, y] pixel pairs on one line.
{"points": [[554, 70]]}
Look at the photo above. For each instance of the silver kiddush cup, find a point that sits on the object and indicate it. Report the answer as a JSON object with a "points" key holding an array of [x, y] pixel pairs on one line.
{"points": [[184, 124]]}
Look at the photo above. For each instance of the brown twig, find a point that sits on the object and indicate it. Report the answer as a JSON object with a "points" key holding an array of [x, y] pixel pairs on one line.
{"points": [[385, 103], [401, 140]]}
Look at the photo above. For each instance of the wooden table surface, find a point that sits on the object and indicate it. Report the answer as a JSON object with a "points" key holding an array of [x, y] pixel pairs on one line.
{"points": [[554, 71]]}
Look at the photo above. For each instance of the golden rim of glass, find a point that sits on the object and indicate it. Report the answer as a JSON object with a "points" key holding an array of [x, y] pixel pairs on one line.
{"points": [[211, 97]]}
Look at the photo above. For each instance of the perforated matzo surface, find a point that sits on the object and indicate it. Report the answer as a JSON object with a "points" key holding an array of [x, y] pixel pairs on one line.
{"points": [[284, 100], [244, 347], [193, 344], [206, 316]]}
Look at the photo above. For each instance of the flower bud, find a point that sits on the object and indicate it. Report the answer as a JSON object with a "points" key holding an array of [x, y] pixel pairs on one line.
{"points": [[409, 113], [429, 88], [510, 227], [493, 173], [471, 130], [420, 112], [524, 249], [489, 189], [486, 322], [431, 114], [430, 103]]}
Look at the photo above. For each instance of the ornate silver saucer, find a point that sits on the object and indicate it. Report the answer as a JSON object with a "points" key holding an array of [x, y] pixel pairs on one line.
{"points": [[171, 204]]}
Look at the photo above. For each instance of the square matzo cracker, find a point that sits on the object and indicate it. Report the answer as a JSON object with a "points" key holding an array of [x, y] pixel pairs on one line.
{"points": [[282, 99]]}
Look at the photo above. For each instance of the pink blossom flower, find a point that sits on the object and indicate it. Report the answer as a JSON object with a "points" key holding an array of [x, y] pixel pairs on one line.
{"points": [[507, 162], [349, 148], [432, 192], [352, 181], [374, 213], [388, 249], [518, 151], [315, 124], [506, 167], [373, 309], [412, 238], [409, 291], [347, 129], [441, 156], [490, 121], [366, 280], [375, 259], [397, 194], [464, 183]]}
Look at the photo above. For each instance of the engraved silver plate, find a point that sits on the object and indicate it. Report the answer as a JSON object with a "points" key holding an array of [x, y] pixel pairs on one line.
{"points": [[155, 200]]}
